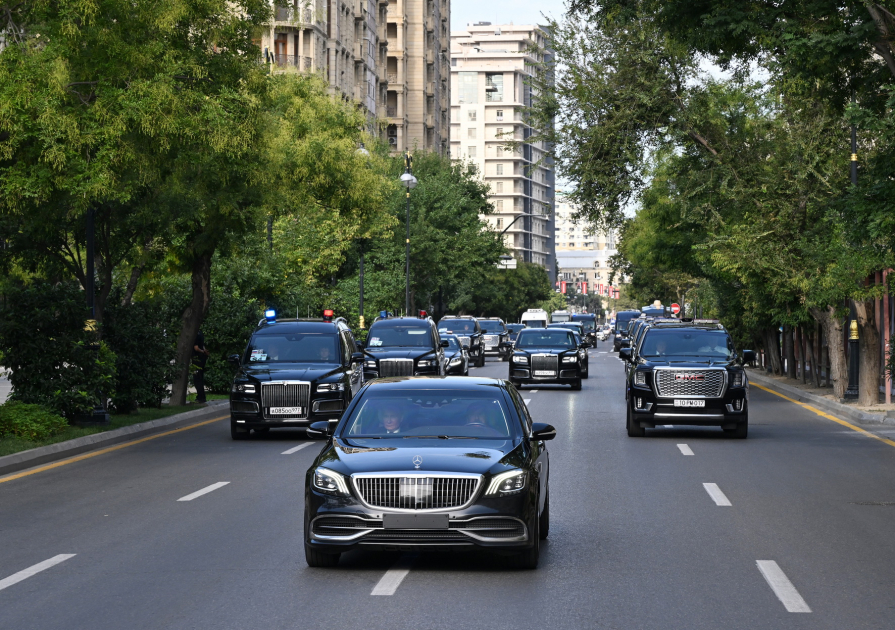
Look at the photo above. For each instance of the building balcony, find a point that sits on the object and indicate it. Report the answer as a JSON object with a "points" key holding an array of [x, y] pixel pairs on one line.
{"points": [[391, 111]]}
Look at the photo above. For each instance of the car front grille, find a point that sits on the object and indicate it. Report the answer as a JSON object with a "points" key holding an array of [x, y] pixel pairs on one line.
{"points": [[417, 492], [464, 341], [702, 383], [416, 535], [372, 530], [395, 367], [492, 527], [285, 394], [544, 362], [491, 341]]}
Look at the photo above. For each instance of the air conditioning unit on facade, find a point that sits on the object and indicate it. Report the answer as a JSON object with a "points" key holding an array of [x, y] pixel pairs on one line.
{"points": [[393, 141]]}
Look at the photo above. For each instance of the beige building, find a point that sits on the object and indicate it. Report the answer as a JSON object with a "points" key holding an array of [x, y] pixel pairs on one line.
{"points": [[388, 55], [582, 254], [489, 68]]}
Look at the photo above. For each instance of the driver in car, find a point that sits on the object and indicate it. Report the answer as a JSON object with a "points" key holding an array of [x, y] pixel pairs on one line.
{"points": [[324, 354], [477, 414]]}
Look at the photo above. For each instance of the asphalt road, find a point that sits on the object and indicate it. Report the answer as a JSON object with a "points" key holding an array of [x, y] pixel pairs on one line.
{"points": [[637, 540]]}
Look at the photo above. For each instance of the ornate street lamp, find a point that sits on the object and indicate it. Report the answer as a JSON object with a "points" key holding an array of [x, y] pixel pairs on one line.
{"points": [[409, 182], [362, 150]]}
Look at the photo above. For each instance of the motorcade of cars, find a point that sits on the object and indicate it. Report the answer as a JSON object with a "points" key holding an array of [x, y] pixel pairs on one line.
{"points": [[546, 355], [294, 372], [655, 310], [447, 463], [560, 316], [513, 330], [635, 328], [687, 373], [622, 319], [456, 358], [496, 337], [469, 332], [403, 346], [578, 327], [591, 327], [534, 318]]}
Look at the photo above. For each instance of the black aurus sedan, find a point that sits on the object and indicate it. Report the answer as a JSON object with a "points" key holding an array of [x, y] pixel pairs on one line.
{"points": [[421, 463]]}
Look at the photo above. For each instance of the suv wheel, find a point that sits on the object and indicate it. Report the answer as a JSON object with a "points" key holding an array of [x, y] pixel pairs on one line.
{"points": [[740, 432], [633, 430], [317, 559], [237, 432]]}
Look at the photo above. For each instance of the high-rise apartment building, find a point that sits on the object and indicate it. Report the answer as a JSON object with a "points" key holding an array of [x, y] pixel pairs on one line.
{"points": [[490, 65], [388, 55], [582, 253]]}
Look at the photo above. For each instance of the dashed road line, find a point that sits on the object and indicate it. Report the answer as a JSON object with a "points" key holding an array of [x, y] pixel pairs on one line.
{"points": [[206, 490], [392, 579], [685, 450], [534, 391], [718, 497], [24, 574], [667, 426], [526, 400], [295, 449], [782, 587]]}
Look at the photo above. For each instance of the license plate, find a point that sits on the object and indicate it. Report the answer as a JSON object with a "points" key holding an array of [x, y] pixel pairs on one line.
{"points": [[689, 403], [544, 373], [286, 411], [415, 521]]}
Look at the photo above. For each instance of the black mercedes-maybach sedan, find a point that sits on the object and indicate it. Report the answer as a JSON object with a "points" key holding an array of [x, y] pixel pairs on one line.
{"points": [[292, 373], [447, 463], [403, 346], [547, 355], [687, 374], [456, 358]]}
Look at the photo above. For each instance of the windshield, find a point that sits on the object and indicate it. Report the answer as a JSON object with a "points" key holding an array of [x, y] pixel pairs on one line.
{"points": [[457, 326], [491, 325], [535, 323], [546, 337], [566, 325], [623, 319], [704, 343], [431, 413], [587, 324], [400, 336], [293, 348], [560, 317], [514, 328], [453, 344]]}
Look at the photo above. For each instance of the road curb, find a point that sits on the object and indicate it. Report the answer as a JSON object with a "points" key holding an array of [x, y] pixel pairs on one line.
{"points": [[830, 406], [64, 450]]}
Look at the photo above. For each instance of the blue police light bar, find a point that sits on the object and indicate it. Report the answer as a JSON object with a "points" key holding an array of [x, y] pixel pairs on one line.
{"points": [[270, 315], [383, 314]]}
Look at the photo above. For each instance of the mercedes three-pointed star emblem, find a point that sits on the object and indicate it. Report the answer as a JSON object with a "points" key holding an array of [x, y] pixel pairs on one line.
{"points": [[417, 461]]}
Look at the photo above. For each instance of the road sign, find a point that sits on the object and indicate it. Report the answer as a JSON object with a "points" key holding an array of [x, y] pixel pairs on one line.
{"points": [[562, 286], [675, 308]]}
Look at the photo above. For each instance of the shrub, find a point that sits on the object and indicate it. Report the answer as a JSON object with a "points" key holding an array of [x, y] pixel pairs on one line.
{"points": [[29, 422], [227, 328]]}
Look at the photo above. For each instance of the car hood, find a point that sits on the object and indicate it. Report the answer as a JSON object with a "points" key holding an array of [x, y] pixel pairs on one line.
{"points": [[545, 350], [399, 353], [688, 362], [387, 455], [290, 371], [453, 354]]}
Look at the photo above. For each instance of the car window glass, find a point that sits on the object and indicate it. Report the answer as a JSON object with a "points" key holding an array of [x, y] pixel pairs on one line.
{"points": [[716, 344], [399, 336], [490, 325], [346, 349], [534, 337], [453, 344], [521, 408], [293, 348]]}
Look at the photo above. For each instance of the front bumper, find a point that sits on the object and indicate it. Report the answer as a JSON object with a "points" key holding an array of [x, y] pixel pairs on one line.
{"points": [[321, 408], [370, 374], [566, 375], [648, 410]]}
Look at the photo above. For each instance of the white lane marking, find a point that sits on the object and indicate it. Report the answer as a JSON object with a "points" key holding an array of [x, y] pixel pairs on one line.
{"points": [[526, 400], [534, 391], [782, 587], [668, 426], [199, 493], [392, 579], [717, 496], [685, 450], [295, 449], [24, 574]]}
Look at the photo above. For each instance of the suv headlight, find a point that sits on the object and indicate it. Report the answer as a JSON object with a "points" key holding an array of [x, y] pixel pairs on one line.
{"points": [[331, 387], [520, 359], [456, 361], [571, 359], [640, 378], [244, 388], [329, 481], [508, 482], [426, 363], [737, 380], [370, 364]]}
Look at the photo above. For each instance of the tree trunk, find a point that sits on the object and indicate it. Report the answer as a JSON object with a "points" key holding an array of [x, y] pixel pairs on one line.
{"points": [[812, 358], [800, 332], [789, 353], [868, 378], [838, 371], [772, 349], [191, 320]]}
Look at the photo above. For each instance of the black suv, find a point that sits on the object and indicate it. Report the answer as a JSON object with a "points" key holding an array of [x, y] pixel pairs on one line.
{"points": [[546, 355], [294, 372], [403, 346], [468, 331], [622, 319], [687, 373], [496, 337]]}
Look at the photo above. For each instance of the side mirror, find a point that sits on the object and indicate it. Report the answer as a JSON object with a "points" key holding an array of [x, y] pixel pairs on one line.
{"points": [[357, 357], [445, 343], [233, 359], [542, 431], [624, 354], [749, 356], [360, 345], [318, 430]]}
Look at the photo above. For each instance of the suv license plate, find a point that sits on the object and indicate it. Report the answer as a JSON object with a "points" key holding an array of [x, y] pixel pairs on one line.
{"points": [[545, 373], [689, 403], [286, 411]]}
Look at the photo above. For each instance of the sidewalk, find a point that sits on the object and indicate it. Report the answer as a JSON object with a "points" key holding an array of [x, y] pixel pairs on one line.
{"points": [[823, 399]]}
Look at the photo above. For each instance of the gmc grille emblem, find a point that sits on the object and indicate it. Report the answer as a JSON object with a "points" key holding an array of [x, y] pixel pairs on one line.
{"points": [[689, 377]]}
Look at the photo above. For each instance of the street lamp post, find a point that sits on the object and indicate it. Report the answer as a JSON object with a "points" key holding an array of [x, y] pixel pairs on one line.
{"points": [[409, 182], [362, 150], [851, 392]]}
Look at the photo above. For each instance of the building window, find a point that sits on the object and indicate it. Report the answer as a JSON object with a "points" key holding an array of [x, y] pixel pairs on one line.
{"points": [[499, 187], [469, 87], [471, 133], [454, 62], [500, 207], [500, 169], [499, 115], [470, 151], [472, 115], [493, 87], [498, 132]]}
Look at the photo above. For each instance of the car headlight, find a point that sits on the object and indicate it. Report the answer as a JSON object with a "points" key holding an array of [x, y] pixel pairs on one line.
{"points": [[640, 378], [520, 359], [244, 388], [737, 379], [330, 481], [426, 363], [370, 364], [331, 387], [508, 482], [571, 359], [456, 361]]}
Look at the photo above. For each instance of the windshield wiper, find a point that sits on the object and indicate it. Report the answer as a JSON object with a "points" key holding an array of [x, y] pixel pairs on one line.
{"points": [[441, 437]]}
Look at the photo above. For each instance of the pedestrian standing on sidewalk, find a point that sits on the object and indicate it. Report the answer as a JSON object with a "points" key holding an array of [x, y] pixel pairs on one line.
{"points": [[200, 358]]}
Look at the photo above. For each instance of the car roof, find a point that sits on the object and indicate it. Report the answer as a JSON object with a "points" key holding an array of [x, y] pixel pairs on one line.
{"points": [[294, 326], [459, 383], [401, 321]]}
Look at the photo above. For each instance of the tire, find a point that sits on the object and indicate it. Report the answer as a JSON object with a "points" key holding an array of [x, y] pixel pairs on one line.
{"points": [[527, 559], [633, 431], [466, 373], [318, 559], [544, 520], [576, 385], [741, 432], [586, 370], [482, 359], [237, 432]]}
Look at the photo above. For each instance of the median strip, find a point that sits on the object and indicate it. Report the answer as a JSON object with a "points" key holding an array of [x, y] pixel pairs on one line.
{"points": [[685, 450], [206, 490], [782, 587], [718, 497], [295, 449], [392, 579], [24, 574]]}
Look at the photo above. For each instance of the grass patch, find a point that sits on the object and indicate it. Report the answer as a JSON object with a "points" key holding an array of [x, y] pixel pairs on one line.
{"points": [[8, 446]]}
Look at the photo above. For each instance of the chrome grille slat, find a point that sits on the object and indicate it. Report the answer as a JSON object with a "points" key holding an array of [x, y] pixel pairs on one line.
{"points": [[544, 362], [285, 394], [416, 492], [395, 367], [712, 385]]}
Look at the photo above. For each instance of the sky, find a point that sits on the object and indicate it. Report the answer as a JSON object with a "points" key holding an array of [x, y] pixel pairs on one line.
{"points": [[502, 11]]}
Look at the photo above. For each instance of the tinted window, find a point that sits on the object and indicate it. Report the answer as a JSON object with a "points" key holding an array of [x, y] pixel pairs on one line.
{"points": [[400, 336], [453, 344], [535, 323], [457, 326], [707, 343], [293, 348], [514, 328], [545, 337], [491, 325], [432, 413]]}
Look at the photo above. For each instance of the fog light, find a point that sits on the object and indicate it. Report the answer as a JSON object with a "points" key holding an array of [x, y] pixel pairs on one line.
{"points": [[640, 403]]}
